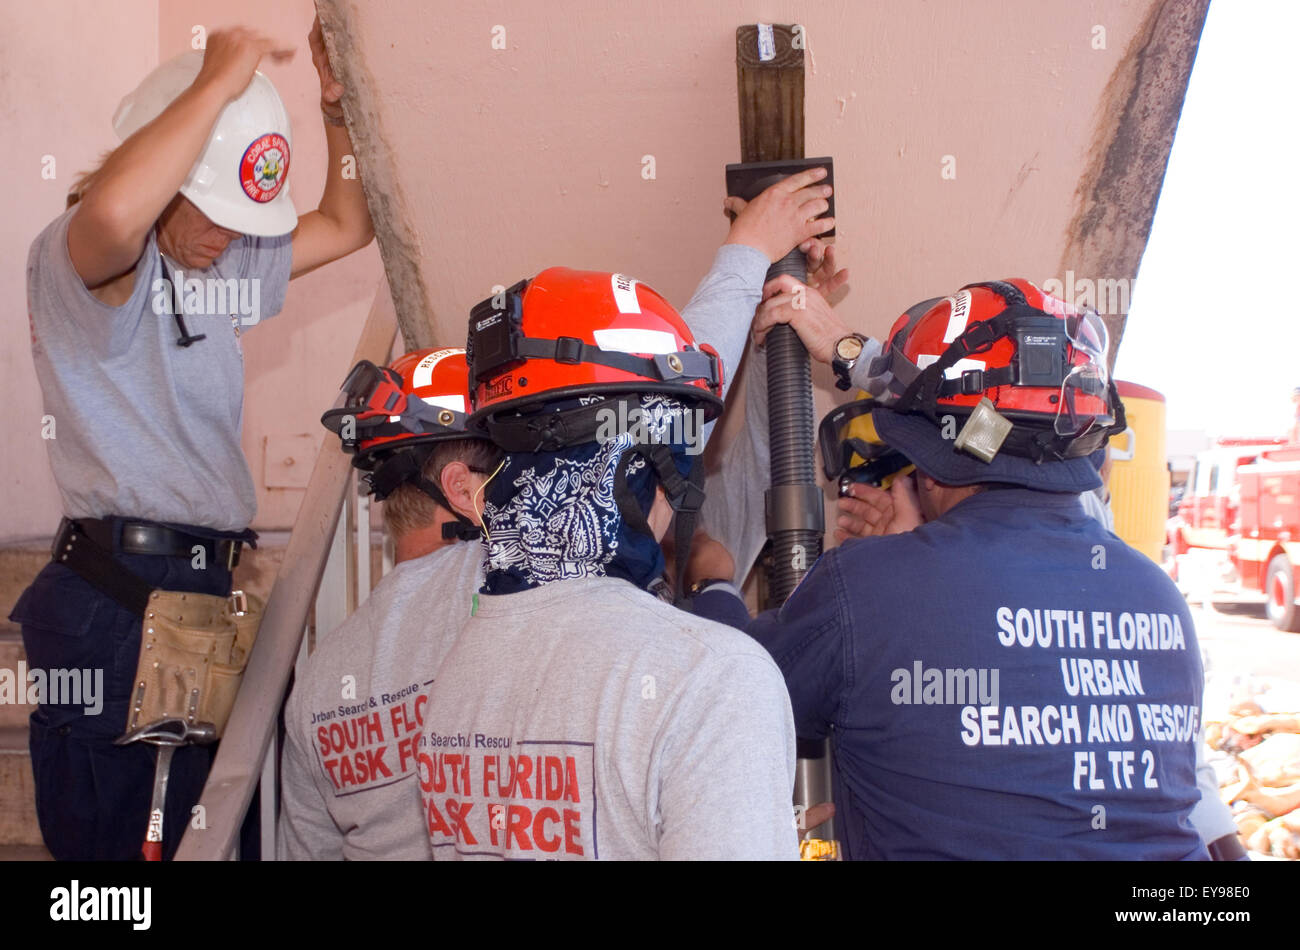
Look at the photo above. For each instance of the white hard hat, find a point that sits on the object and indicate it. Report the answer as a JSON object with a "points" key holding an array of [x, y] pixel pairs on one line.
{"points": [[241, 178]]}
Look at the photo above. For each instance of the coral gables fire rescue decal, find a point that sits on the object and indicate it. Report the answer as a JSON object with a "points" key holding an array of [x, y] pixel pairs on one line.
{"points": [[372, 742], [264, 166], [495, 796], [1124, 714]]}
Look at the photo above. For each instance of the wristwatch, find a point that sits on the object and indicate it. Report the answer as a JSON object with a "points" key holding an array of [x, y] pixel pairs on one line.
{"points": [[844, 356]]}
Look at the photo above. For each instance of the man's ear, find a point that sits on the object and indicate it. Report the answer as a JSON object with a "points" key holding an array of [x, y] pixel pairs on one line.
{"points": [[458, 483]]}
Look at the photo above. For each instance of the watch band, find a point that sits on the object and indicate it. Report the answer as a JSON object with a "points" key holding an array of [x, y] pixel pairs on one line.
{"points": [[843, 368], [697, 588]]}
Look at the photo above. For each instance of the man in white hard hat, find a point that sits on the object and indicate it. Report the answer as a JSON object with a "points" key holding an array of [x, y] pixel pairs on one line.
{"points": [[183, 237]]}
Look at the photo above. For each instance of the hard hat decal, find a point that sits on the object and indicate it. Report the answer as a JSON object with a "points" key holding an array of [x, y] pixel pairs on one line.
{"points": [[264, 167], [422, 375], [958, 316], [625, 293]]}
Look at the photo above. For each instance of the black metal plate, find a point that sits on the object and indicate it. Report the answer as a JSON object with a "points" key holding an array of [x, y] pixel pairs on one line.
{"points": [[748, 179]]}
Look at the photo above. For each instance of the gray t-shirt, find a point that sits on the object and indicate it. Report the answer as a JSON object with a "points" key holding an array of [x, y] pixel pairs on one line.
{"points": [[143, 427], [350, 744], [587, 719], [734, 510], [721, 310]]}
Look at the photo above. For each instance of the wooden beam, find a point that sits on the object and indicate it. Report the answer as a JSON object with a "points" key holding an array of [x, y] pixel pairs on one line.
{"points": [[252, 724], [400, 243], [770, 94]]}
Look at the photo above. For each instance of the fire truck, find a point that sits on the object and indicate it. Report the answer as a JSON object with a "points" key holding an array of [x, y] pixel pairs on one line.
{"points": [[1239, 522]]}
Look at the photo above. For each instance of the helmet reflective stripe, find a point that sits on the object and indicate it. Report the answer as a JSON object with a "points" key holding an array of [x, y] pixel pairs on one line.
{"points": [[959, 314], [422, 375], [955, 370], [450, 401], [625, 293], [240, 181], [630, 340]]}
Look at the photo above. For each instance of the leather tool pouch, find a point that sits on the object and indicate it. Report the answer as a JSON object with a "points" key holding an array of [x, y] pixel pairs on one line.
{"points": [[193, 650], [193, 647]]}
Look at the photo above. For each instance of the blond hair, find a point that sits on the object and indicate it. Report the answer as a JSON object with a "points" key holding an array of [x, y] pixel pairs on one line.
{"points": [[82, 183], [409, 509]]}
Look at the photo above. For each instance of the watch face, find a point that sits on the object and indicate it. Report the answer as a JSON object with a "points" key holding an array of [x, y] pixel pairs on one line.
{"points": [[849, 348]]}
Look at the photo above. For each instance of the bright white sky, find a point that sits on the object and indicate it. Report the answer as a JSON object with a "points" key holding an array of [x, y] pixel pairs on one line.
{"points": [[1214, 322]]}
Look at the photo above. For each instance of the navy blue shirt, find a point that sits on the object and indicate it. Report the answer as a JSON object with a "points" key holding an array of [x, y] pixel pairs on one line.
{"points": [[1008, 681]]}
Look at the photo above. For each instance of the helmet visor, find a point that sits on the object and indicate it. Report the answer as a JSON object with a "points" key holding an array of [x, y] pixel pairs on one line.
{"points": [[1084, 401], [1088, 333], [851, 448], [370, 395]]}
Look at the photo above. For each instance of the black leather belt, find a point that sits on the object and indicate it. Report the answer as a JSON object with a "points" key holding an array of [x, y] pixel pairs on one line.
{"points": [[86, 546], [146, 537]]}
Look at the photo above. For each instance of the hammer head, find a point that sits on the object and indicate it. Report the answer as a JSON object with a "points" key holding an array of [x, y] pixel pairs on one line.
{"points": [[171, 732]]}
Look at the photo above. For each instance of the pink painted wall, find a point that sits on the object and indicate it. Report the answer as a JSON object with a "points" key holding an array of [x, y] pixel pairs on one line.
{"points": [[63, 68], [520, 158], [511, 160]]}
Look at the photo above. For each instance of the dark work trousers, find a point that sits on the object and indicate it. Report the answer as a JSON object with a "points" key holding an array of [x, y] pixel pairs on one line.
{"points": [[92, 797]]}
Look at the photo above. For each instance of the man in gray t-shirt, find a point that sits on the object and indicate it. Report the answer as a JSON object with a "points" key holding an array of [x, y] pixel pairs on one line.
{"points": [[353, 719], [578, 716], [345, 773], [138, 294]]}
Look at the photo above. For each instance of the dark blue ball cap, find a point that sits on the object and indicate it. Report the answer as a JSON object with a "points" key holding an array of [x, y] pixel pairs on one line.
{"points": [[920, 440]]}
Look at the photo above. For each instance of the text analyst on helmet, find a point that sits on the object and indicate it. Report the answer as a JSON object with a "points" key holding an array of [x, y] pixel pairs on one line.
{"points": [[192, 208], [1000, 677]]}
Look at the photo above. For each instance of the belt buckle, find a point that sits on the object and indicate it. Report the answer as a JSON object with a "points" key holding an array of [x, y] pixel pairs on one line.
{"points": [[238, 603], [136, 538]]}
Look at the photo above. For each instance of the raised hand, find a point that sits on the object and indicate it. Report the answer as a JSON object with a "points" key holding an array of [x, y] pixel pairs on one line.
{"points": [[782, 216], [231, 58]]}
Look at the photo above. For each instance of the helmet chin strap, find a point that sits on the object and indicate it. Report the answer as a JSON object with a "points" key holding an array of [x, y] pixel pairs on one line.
{"points": [[405, 467], [459, 529], [684, 494]]}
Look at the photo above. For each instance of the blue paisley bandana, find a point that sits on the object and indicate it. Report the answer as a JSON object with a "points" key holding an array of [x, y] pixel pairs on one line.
{"points": [[552, 516]]}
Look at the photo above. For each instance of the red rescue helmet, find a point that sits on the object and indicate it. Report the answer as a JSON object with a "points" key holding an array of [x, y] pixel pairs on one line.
{"points": [[421, 398], [1024, 370], [390, 418], [568, 333]]}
